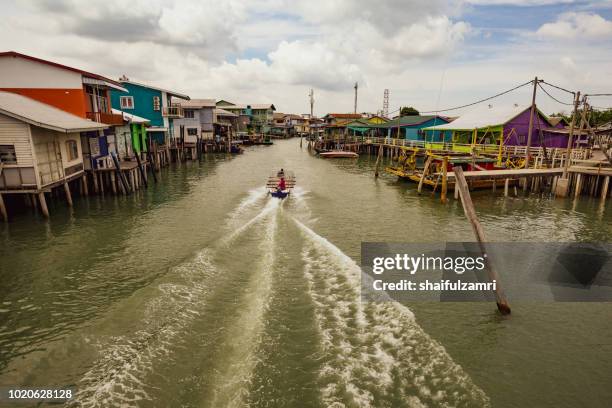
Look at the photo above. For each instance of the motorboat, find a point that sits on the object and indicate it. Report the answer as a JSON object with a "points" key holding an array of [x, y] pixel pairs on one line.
{"points": [[274, 180], [338, 154]]}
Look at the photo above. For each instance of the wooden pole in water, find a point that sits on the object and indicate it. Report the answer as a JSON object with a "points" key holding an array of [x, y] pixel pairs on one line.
{"points": [[470, 213], [380, 152], [444, 179], [143, 174]]}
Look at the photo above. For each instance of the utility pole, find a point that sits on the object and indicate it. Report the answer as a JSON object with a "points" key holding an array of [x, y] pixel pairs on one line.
{"points": [[570, 138], [356, 86], [531, 115]]}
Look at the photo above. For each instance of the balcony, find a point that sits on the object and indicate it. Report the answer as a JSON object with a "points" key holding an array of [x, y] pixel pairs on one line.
{"points": [[173, 111], [106, 118]]}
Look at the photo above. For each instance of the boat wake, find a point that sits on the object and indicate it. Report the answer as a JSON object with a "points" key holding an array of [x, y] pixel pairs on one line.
{"points": [[375, 353], [368, 354]]}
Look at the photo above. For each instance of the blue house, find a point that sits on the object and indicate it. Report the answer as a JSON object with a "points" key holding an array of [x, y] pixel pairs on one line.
{"points": [[410, 128], [158, 105]]}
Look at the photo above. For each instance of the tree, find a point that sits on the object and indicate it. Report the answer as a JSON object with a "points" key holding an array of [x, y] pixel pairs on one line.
{"points": [[409, 111]]}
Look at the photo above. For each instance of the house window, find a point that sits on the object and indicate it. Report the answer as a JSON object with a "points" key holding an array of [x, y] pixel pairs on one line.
{"points": [[126, 102], [189, 114], [156, 103], [7, 154], [72, 149], [192, 131]]}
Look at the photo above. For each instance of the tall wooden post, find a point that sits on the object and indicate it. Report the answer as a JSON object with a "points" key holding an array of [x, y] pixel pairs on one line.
{"points": [[444, 179], [562, 186], [43, 204], [470, 213], [531, 115], [570, 138]]}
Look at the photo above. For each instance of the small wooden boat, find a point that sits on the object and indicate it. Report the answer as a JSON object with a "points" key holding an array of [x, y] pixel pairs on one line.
{"points": [[273, 180], [338, 154]]}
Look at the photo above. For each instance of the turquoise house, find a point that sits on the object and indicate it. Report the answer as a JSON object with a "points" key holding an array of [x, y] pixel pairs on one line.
{"points": [[157, 105], [410, 128]]}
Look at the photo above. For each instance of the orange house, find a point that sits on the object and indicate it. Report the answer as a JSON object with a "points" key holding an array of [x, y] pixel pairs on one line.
{"points": [[70, 89]]}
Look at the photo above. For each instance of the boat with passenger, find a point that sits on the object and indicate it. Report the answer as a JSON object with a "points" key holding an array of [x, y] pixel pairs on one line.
{"points": [[280, 183]]}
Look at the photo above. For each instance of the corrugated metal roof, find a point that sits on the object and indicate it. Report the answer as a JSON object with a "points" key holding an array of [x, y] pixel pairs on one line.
{"points": [[131, 117], [223, 112], [344, 115], [198, 103], [43, 115], [55, 64], [169, 92], [482, 117], [411, 120], [263, 106]]}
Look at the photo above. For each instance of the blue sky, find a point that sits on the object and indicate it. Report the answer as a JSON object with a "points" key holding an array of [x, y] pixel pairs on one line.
{"points": [[429, 54]]}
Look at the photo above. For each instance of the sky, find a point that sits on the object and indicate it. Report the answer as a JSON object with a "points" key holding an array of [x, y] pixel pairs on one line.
{"points": [[431, 55]]}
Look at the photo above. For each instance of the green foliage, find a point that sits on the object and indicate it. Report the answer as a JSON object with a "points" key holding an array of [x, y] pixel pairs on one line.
{"points": [[596, 118], [409, 111]]}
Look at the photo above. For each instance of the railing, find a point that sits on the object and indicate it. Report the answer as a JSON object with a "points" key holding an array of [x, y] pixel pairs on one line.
{"points": [[106, 118], [172, 111], [494, 149]]}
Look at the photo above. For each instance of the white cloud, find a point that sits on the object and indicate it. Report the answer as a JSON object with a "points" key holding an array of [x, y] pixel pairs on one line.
{"points": [[276, 50], [576, 26], [520, 3]]}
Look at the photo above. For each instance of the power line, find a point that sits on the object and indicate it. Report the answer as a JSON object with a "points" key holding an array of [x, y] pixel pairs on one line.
{"points": [[553, 98], [601, 94], [560, 88], [481, 100]]}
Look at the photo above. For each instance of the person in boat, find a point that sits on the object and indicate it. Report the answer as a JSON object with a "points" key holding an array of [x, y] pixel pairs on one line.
{"points": [[281, 184], [281, 173]]}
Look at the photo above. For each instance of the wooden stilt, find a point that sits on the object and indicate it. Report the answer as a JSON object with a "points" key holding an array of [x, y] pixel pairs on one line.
{"points": [[113, 182], [470, 213], [604, 188], [68, 195], [425, 171], [3, 211], [43, 204], [95, 182], [85, 187], [506, 185], [578, 188]]}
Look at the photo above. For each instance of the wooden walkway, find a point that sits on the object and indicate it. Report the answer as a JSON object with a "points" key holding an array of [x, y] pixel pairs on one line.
{"points": [[508, 174]]}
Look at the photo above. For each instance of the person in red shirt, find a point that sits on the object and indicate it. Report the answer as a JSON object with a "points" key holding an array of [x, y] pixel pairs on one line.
{"points": [[281, 184]]}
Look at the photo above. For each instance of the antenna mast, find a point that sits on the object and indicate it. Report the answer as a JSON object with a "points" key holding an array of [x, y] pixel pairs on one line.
{"points": [[385, 110]]}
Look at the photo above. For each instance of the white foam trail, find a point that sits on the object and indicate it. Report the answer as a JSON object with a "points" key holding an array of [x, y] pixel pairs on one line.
{"points": [[245, 336], [270, 206], [253, 197], [375, 353], [116, 379]]}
